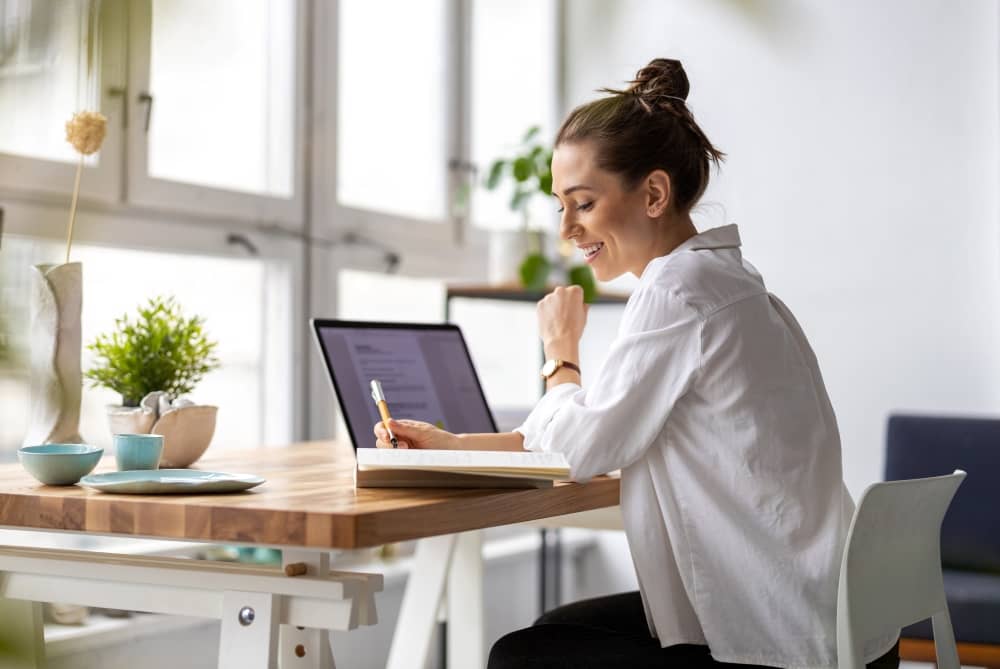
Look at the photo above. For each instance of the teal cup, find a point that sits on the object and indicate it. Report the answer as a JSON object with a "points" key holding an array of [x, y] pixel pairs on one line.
{"points": [[138, 451]]}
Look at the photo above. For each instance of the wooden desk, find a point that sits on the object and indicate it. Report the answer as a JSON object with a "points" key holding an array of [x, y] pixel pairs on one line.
{"points": [[308, 506]]}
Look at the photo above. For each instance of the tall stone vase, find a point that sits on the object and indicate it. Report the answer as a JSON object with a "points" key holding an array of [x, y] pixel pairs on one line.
{"points": [[56, 381]]}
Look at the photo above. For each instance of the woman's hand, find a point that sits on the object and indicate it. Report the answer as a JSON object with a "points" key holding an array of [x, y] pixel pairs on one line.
{"points": [[415, 434], [561, 318]]}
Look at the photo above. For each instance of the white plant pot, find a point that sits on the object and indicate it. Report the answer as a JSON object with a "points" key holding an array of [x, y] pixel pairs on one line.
{"points": [[187, 429], [56, 381], [187, 432], [507, 249]]}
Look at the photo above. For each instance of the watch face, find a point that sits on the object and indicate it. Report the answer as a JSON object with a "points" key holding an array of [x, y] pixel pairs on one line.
{"points": [[549, 367]]}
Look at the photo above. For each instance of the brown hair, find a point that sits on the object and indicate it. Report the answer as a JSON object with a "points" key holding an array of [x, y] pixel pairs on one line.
{"points": [[647, 127]]}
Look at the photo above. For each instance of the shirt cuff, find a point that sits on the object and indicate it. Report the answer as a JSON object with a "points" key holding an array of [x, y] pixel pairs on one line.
{"points": [[534, 425]]}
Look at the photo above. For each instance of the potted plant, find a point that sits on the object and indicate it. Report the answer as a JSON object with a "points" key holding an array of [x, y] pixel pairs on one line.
{"points": [[530, 171], [153, 360]]}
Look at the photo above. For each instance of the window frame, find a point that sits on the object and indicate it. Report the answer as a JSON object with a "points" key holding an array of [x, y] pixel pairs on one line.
{"points": [[449, 241], [43, 178], [283, 374], [121, 178], [144, 190], [315, 239]]}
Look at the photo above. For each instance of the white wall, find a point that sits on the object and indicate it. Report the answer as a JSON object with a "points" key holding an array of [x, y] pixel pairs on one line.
{"points": [[862, 170]]}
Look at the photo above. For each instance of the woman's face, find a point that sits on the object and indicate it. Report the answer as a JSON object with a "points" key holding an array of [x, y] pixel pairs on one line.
{"points": [[609, 224]]}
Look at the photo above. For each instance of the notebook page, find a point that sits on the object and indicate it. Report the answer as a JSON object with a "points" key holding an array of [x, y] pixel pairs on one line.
{"points": [[465, 460]]}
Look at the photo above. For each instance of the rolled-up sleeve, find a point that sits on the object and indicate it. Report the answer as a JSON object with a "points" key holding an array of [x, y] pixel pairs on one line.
{"points": [[610, 424]]}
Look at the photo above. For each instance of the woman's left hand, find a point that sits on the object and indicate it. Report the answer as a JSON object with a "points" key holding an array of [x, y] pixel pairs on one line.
{"points": [[562, 316]]}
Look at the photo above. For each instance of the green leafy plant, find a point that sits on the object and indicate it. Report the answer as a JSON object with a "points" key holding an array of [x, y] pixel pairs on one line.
{"points": [[160, 349], [530, 169]]}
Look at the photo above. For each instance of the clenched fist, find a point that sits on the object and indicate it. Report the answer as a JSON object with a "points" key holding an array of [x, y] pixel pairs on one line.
{"points": [[562, 316]]}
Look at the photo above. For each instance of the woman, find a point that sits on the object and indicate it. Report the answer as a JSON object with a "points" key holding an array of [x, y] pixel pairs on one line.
{"points": [[710, 402]]}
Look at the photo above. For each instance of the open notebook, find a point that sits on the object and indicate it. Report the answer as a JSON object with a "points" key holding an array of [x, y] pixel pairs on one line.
{"points": [[390, 467]]}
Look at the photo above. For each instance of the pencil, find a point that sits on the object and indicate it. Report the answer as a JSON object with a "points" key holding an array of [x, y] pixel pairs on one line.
{"points": [[383, 410]]}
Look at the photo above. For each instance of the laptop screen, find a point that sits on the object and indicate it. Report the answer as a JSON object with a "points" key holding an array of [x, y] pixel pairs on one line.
{"points": [[425, 371]]}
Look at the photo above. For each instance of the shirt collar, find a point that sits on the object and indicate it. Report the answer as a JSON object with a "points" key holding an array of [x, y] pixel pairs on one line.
{"points": [[723, 237]]}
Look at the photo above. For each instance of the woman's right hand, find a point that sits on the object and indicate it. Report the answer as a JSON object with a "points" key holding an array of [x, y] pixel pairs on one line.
{"points": [[415, 434]]}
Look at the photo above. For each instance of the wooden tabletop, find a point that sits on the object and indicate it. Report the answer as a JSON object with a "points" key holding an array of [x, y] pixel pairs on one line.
{"points": [[309, 500]]}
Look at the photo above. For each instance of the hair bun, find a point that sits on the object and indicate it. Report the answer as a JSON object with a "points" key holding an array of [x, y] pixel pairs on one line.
{"points": [[662, 78]]}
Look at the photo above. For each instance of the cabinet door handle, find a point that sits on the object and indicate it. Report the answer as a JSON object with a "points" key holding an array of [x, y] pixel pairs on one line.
{"points": [[147, 100]]}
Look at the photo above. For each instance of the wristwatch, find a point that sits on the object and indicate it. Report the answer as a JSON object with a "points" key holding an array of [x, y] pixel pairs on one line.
{"points": [[552, 366]]}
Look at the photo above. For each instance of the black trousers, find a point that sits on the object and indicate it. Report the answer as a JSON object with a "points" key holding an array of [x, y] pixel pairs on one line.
{"points": [[608, 632]]}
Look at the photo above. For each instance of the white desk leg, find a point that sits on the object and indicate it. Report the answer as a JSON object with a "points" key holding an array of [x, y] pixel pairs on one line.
{"points": [[418, 613], [22, 637], [466, 629], [249, 631], [302, 648]]}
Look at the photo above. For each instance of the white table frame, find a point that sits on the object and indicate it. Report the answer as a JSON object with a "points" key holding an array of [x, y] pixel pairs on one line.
{"points": [[268, 619], [291, 615], [450, 587]]}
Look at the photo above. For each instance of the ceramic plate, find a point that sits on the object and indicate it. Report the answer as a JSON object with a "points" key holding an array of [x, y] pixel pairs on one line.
{"points": [[166, 481]]}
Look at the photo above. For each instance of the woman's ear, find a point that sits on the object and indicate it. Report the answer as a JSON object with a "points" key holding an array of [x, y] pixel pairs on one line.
{"points": [[657, 193]]}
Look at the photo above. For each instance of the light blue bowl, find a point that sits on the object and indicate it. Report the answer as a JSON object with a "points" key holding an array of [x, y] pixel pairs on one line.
{"points": [[59, 464]]}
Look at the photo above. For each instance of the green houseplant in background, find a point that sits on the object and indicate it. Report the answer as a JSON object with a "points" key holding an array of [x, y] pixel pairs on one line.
{"points": [[530, 171], [160, 350]]}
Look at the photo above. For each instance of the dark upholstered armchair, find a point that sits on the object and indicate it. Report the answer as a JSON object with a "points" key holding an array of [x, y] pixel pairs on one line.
{"points": [[919, 446]]}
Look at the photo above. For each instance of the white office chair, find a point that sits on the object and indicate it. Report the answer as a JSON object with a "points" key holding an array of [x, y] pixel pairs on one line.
{"points": [[890, 575]]}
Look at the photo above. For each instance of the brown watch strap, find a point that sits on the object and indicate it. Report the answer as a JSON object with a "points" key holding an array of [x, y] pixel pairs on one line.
{"points": [[573, 366], [559, 363]]}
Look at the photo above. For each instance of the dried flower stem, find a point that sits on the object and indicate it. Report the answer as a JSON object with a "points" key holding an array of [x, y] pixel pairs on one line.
{"points": [[72, 207], [85, 131]]}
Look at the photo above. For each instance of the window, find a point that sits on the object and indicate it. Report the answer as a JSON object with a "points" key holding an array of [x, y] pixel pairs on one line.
{"points": [[207, 137], [224, 83], [215, 107], [53, 61], [392, 126], [240, 313], [47, 66], [204, 103], [427, 95], [513, 88]]}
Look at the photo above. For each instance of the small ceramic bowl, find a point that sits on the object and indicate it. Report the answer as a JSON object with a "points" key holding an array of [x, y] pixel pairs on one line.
{"points": [[59, 464]]}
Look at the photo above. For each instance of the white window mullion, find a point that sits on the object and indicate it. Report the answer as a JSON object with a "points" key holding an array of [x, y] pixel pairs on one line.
{"points": [[461, 170]]}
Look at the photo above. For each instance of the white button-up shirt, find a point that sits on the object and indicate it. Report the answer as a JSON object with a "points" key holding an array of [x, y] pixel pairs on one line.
{"points": [[712, 405]]}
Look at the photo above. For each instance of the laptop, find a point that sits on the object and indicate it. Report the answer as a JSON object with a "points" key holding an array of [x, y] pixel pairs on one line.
{"points": [[425, 371]]}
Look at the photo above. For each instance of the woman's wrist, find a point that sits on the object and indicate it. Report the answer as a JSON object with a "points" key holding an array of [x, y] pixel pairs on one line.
{"points": [[562, 350]]}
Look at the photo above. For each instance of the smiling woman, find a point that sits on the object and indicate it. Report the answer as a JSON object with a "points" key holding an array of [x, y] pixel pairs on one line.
{"points": [[710, 402], [626, 161]]}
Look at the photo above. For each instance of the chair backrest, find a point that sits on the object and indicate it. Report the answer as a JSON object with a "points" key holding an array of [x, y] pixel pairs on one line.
{"points": [[890, 575], [919, 446]]}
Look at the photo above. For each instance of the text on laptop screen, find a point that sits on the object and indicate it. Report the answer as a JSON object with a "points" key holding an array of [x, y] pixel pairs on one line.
{"points": [[426, 375]]}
